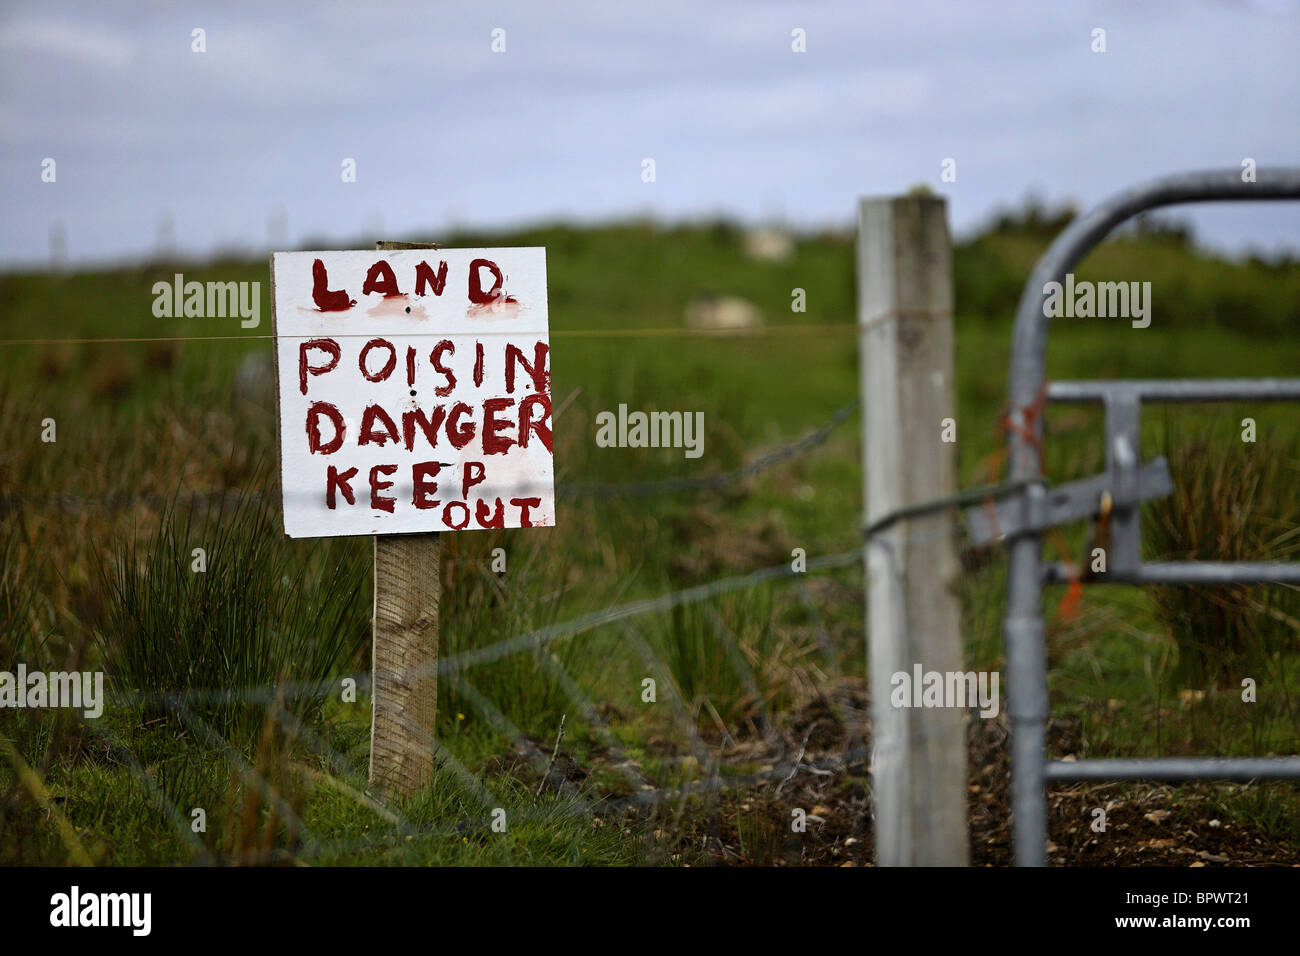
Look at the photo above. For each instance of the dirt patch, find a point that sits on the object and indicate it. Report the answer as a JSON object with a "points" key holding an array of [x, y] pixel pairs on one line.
{"points": [[812, 773]]}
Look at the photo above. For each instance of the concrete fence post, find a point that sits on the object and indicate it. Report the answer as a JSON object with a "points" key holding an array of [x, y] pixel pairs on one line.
{"points": [[905, 345]]}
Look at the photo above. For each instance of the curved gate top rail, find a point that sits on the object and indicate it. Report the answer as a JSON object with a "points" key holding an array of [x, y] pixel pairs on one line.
{"points": [[1124, 485], [1029, 343]]}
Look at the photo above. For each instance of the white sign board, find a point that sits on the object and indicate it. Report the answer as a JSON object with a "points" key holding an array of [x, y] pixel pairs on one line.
{"points": [[414, 390]]}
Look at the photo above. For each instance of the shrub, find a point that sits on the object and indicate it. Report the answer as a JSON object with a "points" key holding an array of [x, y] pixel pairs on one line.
{"points": [[203, 643], [1232, 502]]}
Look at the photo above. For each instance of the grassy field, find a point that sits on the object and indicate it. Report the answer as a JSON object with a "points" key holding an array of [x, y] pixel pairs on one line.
{"points": [[98, 530]]}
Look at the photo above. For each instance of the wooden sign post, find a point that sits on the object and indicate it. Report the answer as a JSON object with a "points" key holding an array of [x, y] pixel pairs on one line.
{"points": [[404, 689], [404, 652], [414, 398]]}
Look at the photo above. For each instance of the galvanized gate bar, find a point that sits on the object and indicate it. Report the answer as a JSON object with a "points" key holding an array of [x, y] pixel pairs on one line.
{"points": [[1124, 394], [1181, 390], [1238, 769], [1026, 653], [1029, 347], [1186, 572]]}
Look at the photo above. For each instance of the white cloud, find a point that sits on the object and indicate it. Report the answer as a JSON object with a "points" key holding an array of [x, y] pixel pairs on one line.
{"points": [[80, 42], [558, 124]]}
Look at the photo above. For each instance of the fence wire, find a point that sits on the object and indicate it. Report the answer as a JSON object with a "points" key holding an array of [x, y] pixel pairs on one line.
{"points": [[787, 761]]}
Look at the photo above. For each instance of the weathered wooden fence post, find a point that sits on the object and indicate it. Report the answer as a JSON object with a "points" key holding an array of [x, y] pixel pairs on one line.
{"points": [[905, 344], [404, 658]]}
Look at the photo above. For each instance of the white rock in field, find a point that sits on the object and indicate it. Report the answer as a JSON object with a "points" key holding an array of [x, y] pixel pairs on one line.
{"points": [[722, 312], [769, 245]]}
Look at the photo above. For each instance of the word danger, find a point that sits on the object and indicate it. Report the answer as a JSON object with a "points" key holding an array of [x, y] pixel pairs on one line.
{"points": [[498, 423], [414, 390]]}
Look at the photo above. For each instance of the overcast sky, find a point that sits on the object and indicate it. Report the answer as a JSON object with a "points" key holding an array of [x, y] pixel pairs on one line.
{"points": [[241, 146]]}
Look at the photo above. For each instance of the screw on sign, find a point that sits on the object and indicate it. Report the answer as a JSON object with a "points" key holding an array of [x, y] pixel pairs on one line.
{"points": [[414, 397]]}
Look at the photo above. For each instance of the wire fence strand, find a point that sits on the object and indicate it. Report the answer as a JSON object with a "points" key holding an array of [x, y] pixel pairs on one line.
{"points": [[349, 780]]}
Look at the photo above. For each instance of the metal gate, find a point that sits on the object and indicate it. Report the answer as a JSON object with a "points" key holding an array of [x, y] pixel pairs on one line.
{"points": [[1117, 493]]}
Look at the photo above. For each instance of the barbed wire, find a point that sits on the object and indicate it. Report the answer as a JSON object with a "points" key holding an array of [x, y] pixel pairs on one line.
{"points": [[180, 704], [538, 639], [454, 668], [714, 482], [537, 642], [979, 495], [534, 641], [716, 780], [122, 500]]}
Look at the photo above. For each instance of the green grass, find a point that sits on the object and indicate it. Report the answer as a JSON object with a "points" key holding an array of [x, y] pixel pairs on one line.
{"points": [[208, 606], [157, 423]]}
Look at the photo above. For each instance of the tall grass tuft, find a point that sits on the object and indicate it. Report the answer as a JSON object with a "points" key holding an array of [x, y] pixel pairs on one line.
{"points": [[730, 655], [480, 608], [17, 623], [1232, 501], [213, 642]]}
